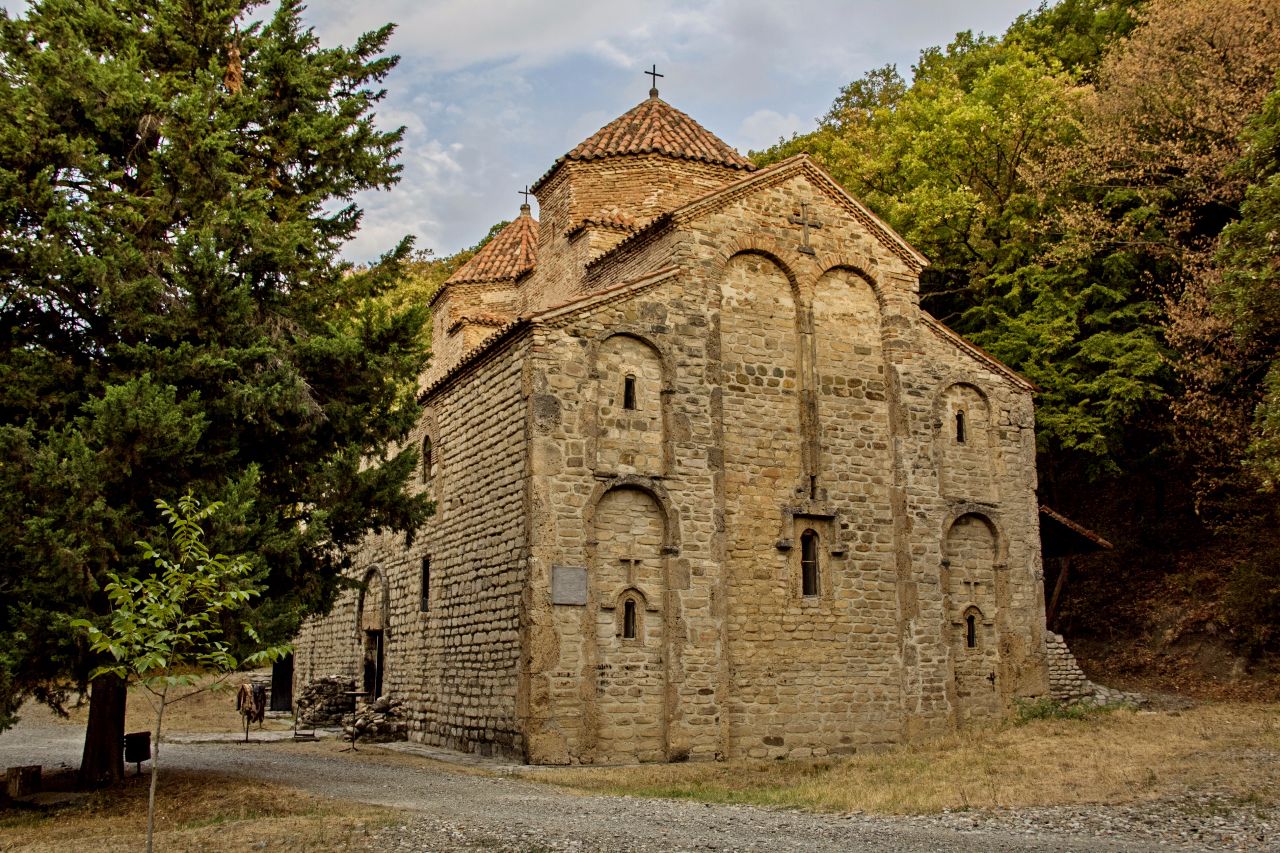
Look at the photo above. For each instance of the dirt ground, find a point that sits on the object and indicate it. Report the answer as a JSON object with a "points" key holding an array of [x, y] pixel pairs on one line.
{"points": [[1203, 778]]}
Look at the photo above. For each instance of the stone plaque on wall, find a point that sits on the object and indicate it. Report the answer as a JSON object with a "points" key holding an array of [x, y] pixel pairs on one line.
{"points": [[568, 585]]}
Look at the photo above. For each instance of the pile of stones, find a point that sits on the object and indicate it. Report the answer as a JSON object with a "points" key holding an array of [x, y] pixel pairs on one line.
{"points": [[325, 701], [1069, 685], [379, 721]]}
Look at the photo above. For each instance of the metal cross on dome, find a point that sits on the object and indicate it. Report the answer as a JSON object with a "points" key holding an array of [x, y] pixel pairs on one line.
{"points": [[654, 75], [525, 192]]}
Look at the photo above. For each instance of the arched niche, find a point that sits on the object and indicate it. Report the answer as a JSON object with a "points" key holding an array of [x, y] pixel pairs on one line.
{"points": [[760, 363], [965, 444], [630, 404], [850, 385], [628, 529], [970, 565]]}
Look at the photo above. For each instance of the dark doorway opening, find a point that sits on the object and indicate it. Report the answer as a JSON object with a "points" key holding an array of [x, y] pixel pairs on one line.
{"points": [[282, 684], [373, 663]]}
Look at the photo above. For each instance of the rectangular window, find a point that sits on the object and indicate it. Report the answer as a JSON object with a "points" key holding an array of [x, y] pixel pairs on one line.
{"points": [[629, 392], [426, 583]]}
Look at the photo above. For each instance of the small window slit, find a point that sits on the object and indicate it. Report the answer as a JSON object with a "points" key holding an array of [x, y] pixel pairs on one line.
{"points": [[809, 563], [629, 619], [629, 392]]}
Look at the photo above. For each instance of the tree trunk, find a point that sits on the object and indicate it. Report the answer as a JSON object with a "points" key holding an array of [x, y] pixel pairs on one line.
{"points": [[103, 760]]}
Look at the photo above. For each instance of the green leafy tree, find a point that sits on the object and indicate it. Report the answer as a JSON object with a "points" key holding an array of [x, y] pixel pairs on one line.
{"points": [[176, 184], [1062, 180], [423, 273], [1248, 294], [1076, 33], [166, 629]]}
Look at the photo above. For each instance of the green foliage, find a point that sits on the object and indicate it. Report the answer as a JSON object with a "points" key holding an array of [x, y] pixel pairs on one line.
{"points": [[168, 624], [165, 623], [1028, 710], [175, 189], [1076, 33], [1249, 292]]}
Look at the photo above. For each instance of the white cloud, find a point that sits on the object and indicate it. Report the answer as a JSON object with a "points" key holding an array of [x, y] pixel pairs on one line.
{"points": [[765, 127], [516, 83]]}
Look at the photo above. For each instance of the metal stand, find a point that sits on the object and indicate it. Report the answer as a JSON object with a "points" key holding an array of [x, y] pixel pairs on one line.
{"points": [[355, 735]]}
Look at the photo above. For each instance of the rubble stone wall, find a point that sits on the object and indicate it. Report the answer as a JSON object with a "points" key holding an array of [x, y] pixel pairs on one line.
{"points": [[1069, 684]]}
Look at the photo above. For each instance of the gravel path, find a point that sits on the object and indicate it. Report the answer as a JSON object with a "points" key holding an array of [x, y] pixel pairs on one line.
{"points": [[447, 808]]}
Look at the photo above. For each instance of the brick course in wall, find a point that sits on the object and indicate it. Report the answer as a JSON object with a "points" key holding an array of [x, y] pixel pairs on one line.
{"points": [[704, 402]]}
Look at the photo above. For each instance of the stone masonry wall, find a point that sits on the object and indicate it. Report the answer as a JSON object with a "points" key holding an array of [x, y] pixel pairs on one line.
{"points": [[630, 523], [455, 664], [640, 187], [847, 429], [449, 343], [959, 491], [614, 584]]}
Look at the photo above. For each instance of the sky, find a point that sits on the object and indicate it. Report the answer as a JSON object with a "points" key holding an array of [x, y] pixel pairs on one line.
{"points": [[491, 92]]}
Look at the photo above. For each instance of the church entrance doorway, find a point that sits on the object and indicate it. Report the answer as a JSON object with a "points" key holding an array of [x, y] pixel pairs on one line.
{"points": [[372, 633], [372, 664]]}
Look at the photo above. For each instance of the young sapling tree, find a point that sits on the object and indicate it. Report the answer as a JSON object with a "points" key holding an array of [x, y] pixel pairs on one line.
{"points": [[165, 629]]}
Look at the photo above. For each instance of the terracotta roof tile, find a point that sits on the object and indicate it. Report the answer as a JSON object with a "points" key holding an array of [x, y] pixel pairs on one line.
{"points": [[656, 127], [495, 320], [612, 217], [510, 254]]}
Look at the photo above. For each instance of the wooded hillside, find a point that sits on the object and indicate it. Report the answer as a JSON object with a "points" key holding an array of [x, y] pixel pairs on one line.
{"points": [[1098, 191]]}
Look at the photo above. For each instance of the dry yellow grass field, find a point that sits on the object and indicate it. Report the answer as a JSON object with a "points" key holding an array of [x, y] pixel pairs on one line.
{"points": [[1115, 757], [211, 710], [194, 814]]}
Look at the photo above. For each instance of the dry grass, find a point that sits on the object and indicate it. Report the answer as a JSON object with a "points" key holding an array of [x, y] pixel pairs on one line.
{"points": [[208, 711], [1114, 757], [196, 814]]}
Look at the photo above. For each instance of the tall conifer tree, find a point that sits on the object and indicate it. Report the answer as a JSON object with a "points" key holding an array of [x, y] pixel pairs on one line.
{"points": [[176, 184]]}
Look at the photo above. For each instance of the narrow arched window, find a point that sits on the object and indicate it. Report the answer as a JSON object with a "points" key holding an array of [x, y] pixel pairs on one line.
{"points": [[629, 619], [428, 461], [960, 427], [809, 562], [629, 392], [971, 631]]}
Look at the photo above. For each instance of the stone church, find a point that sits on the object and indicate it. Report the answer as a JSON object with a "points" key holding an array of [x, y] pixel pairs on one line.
{"points": [[708, 481]]}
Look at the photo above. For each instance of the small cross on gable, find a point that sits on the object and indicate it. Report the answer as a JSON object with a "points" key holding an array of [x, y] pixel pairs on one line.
{"points": [[802, 219]]}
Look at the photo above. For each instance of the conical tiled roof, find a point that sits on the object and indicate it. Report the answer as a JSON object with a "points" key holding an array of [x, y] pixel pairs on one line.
{"points": [[655, 127], [511, 253]]}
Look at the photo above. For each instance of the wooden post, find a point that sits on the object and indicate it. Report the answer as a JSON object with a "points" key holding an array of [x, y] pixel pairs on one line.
{"points": [[1051, 617]]}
